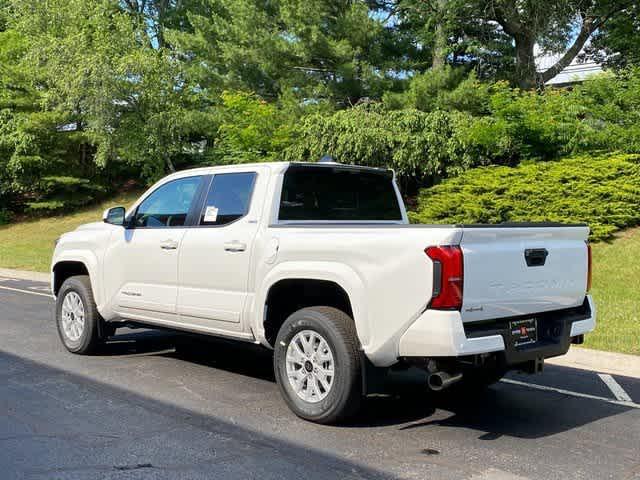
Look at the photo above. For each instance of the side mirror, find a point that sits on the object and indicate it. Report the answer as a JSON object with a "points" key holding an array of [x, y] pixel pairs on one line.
{"points": [[114, 216]]}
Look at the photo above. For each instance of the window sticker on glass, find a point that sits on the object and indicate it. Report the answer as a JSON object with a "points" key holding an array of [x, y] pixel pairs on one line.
{"points": [[211, 214]]}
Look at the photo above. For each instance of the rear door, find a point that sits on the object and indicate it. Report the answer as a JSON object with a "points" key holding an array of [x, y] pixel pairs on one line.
{"points": [[215, 255], [512, 271]]}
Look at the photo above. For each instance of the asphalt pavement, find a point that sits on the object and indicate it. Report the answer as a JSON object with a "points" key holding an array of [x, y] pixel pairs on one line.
{"points": [[161, 405]]}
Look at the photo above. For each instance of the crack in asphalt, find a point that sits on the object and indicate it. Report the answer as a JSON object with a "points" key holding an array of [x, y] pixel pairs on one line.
{"points": [[137, 466]]}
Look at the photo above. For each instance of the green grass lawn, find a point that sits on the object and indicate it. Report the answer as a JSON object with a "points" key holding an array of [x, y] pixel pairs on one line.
{"points": [[28, 245], [616, 290], [616, 277]]}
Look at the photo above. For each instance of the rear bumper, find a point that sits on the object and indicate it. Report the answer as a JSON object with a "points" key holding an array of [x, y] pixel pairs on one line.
{"points": [[443, 334]]}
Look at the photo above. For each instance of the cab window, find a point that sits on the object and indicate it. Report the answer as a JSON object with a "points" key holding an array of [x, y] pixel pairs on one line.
{"points": [[228, 198], [169, 205], [338, 194]]}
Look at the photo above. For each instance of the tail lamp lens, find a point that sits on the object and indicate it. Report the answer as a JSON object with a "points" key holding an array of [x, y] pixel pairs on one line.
{"points": [[448, 277]]}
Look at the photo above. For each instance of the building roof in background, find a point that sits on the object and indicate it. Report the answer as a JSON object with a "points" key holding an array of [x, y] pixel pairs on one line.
{"points": [[576, 72]]}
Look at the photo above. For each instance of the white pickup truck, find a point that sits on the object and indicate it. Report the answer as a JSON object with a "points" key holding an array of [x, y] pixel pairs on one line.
{"points": [[318, 262]]}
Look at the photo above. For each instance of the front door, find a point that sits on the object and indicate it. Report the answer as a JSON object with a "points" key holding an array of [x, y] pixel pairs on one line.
{"points": [[141, 263], [215, 255]]}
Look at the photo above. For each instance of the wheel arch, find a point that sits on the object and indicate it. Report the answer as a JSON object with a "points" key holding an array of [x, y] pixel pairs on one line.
{"points": [[318, 285], [69, 266]]}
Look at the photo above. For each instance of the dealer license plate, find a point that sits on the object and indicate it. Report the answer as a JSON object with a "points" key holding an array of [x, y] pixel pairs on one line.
{"points": [[524, 332]]}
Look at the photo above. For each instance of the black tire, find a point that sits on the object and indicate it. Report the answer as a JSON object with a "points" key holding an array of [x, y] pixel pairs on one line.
{"points": [[338, 330], [89, 339]]}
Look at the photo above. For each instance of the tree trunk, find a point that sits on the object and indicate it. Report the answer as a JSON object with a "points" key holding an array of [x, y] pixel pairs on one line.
{"points": [[169, 163], [439, 56], [526, 74], [162, 8]]}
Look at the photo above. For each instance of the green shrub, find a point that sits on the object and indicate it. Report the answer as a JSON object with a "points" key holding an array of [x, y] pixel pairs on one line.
{"points": [[603, 192], [47, 165], [603, 113], [421, 146], [445, 88], [5, 216], [60, 193]]}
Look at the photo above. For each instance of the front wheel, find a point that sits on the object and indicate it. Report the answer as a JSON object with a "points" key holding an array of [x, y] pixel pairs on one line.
{"points": [[77, 316], [317, 364]]}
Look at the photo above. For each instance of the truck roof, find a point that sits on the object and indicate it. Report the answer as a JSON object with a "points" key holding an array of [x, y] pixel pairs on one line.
{"points": [[274, 166]]}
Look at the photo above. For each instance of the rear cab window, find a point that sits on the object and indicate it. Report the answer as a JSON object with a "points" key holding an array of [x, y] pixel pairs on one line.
{"points": [[338, 194]]}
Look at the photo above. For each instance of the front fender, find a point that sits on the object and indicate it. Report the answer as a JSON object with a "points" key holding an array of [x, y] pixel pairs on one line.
{"points": [[340, 274], [90, 261]]}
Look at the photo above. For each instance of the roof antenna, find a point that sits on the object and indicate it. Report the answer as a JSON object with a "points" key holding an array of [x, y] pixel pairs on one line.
{"points": [[327, 159]]}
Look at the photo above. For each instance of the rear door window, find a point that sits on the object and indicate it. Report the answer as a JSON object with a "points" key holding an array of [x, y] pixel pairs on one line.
{"points": [[228, 199], [338, 194]]}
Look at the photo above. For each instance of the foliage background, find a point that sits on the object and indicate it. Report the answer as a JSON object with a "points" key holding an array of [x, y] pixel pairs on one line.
{"points": [[602, 191], [97, 95], [100, 98]]}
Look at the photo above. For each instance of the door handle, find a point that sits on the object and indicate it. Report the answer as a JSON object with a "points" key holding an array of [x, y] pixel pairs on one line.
{"points": [[235, 246], [169, 245]]}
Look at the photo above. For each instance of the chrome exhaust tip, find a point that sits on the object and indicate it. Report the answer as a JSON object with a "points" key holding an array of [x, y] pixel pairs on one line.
{"points": [[440, 380]]}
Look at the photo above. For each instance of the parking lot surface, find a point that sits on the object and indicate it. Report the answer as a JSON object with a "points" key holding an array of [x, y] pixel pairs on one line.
{"points": [[158, 405]]}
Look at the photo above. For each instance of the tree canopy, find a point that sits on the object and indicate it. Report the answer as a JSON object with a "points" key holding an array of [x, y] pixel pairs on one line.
{"points": [[96, 92]]}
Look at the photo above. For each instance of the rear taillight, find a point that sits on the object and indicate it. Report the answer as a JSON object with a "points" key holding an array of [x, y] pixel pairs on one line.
{"points": [[447, 277], [589, 267]]}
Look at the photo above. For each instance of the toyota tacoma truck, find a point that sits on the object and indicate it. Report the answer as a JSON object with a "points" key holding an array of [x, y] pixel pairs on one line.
{"points": [[318, 262]]}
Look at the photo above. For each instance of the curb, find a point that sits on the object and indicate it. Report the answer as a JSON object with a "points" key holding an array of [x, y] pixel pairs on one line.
{"points": [[598, 361], [24, 275]]}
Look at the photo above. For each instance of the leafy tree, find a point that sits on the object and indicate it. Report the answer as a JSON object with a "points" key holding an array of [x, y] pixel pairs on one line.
{"points": [[454, 32], [251, 130], [107, 67], [4, 13], [421, 147], [95, 91], [331, 50], [499, 36], [617, 42], [550, 25], [443, 88], [35, 145]]}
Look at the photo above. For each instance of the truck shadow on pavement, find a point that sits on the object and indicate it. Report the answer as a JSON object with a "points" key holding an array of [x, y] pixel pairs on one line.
{"points": [[501, 410], [58, 424]]}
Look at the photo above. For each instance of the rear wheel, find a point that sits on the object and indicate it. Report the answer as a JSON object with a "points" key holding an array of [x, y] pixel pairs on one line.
{"points": [[317, 364], [77, 317]]}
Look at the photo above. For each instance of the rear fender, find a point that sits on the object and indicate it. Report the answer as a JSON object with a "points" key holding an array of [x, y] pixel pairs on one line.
{"points": [[340, 274]]}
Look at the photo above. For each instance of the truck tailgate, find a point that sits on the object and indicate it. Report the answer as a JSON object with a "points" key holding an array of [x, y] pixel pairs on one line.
{"points": [[512, 271]]}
